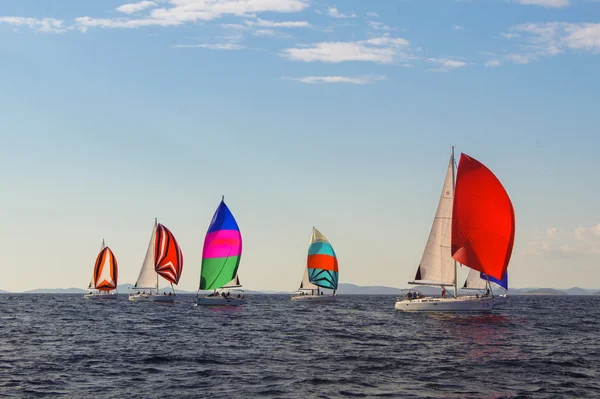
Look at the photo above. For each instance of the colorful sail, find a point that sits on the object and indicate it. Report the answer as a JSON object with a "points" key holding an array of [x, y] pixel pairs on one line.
{"points": [[321, 262], [483, 220], [106, 271], [222, 250], [168, 259], [502, 283]]}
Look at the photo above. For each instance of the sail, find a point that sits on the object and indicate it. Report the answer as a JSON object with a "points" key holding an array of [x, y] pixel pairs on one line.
{"points": [[483, 223], [306, 284], [233, 283], [222, 250], [92, 284], [502, 283], [437, 265], [148, 278], [106, 271], [322, 264], [168, 259], [477, 281]]}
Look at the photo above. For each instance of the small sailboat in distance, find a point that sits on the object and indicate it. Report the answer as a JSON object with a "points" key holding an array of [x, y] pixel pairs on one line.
{"points": [[221, 257], [474, 225], [163, 258], [105, 275], [322, 271]]}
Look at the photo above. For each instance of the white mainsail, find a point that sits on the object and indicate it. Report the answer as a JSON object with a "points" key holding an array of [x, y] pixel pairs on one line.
{"points": [[233, 283], [92, 284], [437, 266], [474, 281], [306, 284], [148, 277]]}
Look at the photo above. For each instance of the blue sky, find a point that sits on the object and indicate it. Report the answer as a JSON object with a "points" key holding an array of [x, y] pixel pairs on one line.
{"points": [[333, 114]]}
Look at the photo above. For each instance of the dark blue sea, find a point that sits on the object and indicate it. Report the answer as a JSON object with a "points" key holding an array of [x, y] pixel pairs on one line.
{"points": [[360, 347]]}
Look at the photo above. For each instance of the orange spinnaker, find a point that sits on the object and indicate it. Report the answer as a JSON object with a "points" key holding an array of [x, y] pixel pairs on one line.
{"points": [[106, 280], [483, 220]]}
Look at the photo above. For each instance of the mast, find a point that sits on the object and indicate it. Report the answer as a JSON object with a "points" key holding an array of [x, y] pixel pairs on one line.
{"points": [[454, 260], [155, 226]]}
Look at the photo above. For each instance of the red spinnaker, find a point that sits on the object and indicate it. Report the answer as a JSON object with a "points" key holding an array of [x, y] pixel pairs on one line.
{"points": [[483, 219], [168, 259]]}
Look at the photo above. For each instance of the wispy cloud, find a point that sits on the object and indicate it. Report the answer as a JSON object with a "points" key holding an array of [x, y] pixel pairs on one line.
{"points": [[217, 46], [553, 38], [553, 241], [135, 7], [383, 50], [546, 3], [372, 14], [458, 27], [492, 63], [272, 24], [84, 23], [379, 26], [445, 64], [45, 25], [335, 13], [338, 79]]}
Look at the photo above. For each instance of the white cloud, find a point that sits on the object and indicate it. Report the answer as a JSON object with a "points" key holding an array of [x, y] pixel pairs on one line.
{"points": [[335, 13], [272, 24], [338, 79], [45, 25], [234, 26], [378, 26], [218, 46], [553, 38], [492, 63], [372, 14], [509, 35], [458, 27], [206, 10], [546, 3], [383, 50], [552, 242], [135, 7], [83, 23], [445, 64]]}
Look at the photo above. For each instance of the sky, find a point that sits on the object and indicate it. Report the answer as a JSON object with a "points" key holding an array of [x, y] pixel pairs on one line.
{"points": [[338, 115]]}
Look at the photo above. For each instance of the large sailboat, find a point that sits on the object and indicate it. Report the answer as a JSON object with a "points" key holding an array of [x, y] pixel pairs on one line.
{"points": [[163, 258], [321, 271], [221, 257], [474, 225], [104, 277]]}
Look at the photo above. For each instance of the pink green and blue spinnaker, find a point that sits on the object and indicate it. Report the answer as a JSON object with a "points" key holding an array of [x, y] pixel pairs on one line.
{"points": [[222, 250]]}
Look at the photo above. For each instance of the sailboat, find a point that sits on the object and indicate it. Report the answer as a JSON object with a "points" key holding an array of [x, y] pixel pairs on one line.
{"points": [[321, 271], [474, 225], [481, 282], [104, 277], [221, 257], [163, 258]]}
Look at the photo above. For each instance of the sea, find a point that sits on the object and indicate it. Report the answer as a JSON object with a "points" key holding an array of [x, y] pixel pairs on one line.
{"points": [[359, 347]]}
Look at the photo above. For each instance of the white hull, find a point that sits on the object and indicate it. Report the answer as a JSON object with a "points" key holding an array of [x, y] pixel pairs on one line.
{"points": [[461, 304], [152, 298], [219, 301], [500, 301], [96, 296], [314, 298]]}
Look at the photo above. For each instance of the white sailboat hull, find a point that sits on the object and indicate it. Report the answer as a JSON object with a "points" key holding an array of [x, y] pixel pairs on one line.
{"points": [[219, 301], [314, 298], [461, 304], [100, 296], [152, 298], [500, 301]]}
